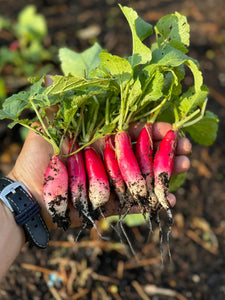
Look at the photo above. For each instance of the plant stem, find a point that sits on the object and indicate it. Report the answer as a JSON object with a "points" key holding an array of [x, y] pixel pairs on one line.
{"points": [[56, 149], [107, 120], [183, 122], [123, 95]]}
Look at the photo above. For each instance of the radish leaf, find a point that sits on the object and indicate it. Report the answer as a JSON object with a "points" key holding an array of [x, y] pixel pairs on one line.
{"points": [[140, 30], [173, 30], [79, 64], [205, 131], [62, 84]]}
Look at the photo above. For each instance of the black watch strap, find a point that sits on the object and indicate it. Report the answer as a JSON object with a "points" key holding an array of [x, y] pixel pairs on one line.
{"points": [[26, 211]]}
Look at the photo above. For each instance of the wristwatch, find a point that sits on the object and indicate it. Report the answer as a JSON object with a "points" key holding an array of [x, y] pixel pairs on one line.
{"points": [[26, 211]]}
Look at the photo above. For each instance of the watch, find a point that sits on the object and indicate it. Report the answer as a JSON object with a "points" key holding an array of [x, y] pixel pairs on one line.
{"points": [[26, 211]]}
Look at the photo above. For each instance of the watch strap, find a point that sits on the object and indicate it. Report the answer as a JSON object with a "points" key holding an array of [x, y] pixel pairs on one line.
{"points": [[26, 211]]}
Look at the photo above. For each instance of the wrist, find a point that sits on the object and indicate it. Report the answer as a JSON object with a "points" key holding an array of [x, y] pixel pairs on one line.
{"points": [[25, 210], [12, 238]]}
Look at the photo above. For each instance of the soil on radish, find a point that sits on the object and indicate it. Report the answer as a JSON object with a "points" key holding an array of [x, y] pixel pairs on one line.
{"points": [[94, 214], [61, 221]]}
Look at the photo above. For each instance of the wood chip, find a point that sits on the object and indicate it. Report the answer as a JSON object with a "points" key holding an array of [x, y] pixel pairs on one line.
{"points": [[143, 263], [139, 290], [193, 236]]}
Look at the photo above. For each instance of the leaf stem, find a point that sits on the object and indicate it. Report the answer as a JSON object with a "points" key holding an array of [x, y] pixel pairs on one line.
{"points": [[183, 122], [92, 126], [56, 149]]}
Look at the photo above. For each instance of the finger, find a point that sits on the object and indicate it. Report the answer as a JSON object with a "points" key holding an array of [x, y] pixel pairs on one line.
{"points": [[160, 129], [172, 199], [183, 146], [135, 129], [181, 164]]}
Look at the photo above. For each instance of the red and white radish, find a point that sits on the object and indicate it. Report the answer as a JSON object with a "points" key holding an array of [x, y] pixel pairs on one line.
{"points": [[55, 192], [77, 179], [113, 170], [129, 168], [78, 183], [98, 183], [163, 167], [145, 158]]}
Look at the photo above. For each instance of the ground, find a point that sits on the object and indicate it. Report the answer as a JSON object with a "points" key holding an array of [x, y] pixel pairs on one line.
{"points": [[93, 269]]}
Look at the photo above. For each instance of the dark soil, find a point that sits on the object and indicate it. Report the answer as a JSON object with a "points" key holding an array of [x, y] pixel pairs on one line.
{"points": [[93, 269]]}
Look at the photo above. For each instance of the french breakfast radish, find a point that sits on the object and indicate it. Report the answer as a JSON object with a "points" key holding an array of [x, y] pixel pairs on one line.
{"points": [[145, 157], [98, 183], [163, 167], [78, 184], [113, 170], [77, 179], [55, 192], [129, 168]]}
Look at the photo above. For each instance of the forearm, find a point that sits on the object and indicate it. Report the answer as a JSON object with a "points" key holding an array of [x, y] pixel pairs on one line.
{"points": [[12, 238]]}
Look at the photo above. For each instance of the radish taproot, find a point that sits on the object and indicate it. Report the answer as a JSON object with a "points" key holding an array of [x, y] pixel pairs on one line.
{"points": [[129, 169], [98, 183], [55, 192]]}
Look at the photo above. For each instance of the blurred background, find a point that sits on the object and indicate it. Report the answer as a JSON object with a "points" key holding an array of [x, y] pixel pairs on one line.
{"points": [[31, 32]]}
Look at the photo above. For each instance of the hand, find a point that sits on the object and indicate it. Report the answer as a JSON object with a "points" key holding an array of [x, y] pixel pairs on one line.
{"points": [[36, 153]]}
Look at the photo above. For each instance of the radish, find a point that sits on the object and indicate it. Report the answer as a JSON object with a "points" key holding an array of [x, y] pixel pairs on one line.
{"points": [[144, 154], [163, 167], [78, 183], [113, 170], [130, 169], [116, 179], [98, 188], [55, 192], [77, 179]]}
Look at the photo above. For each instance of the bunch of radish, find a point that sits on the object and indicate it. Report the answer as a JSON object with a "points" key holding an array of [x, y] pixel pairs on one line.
{"points": [[97, 99]]}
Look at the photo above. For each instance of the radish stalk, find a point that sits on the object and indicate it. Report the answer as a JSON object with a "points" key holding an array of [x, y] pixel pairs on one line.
{"points": [[55, 192]]}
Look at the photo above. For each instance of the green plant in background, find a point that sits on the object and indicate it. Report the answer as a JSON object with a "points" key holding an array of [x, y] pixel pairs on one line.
{"points": [[26, 54]]}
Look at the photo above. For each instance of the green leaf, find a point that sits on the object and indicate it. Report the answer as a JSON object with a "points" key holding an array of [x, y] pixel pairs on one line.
{"points": [[119, 68], [205, 131], [17, 103], [31, 25], [140, 30], [134, 93], [14, 105], [80, 64], [173, 30], [169, 56], [153, 88], [176, 182], [190, 100], [62, 84], [131, 220]]}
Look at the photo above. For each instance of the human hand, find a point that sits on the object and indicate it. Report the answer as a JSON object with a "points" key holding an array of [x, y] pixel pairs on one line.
{"points": [[36, 153]]}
